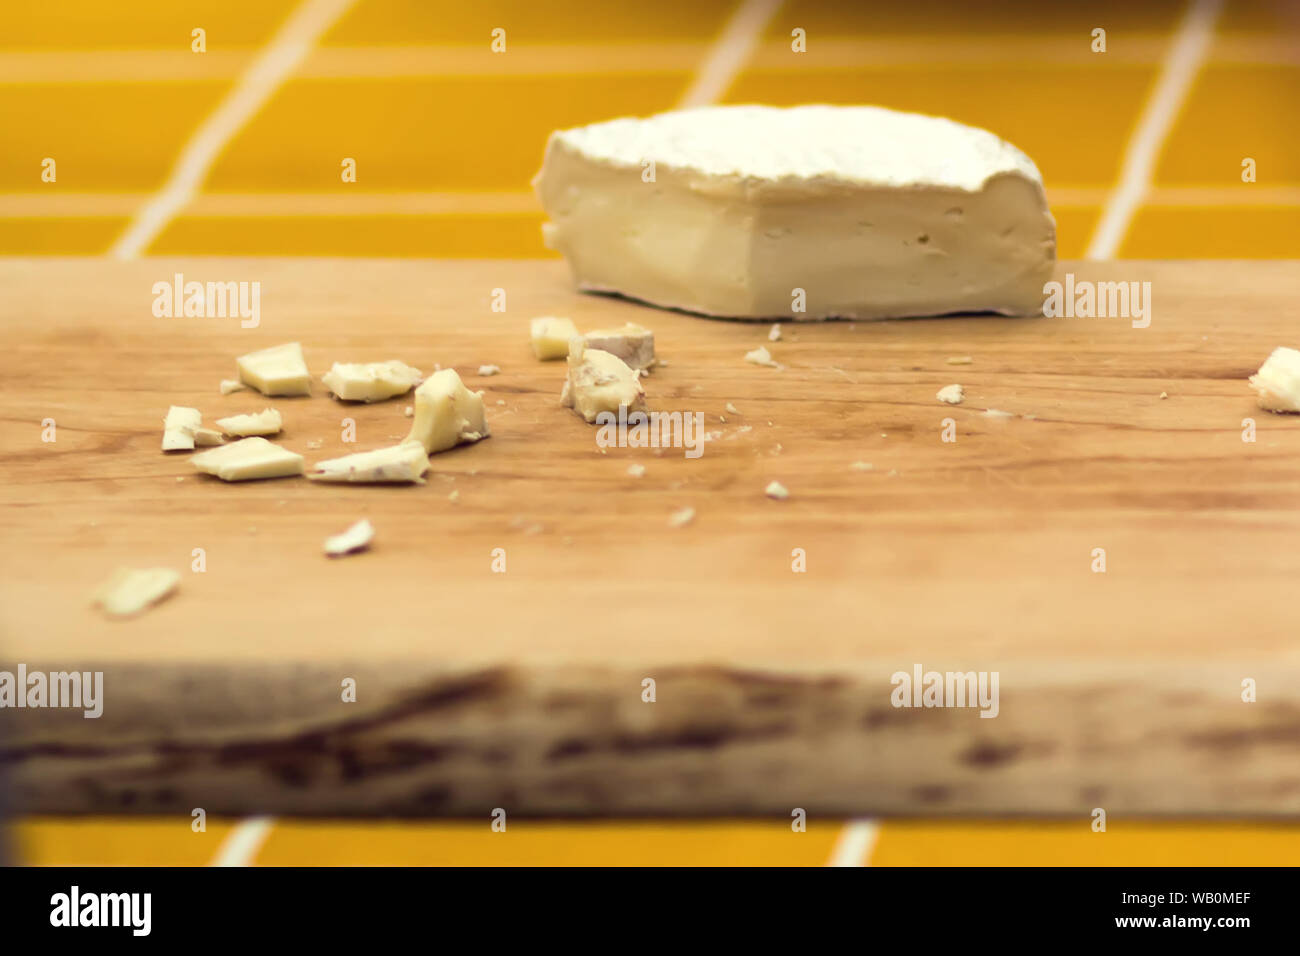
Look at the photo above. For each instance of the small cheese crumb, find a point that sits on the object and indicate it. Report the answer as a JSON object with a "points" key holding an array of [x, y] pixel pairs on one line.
{"points": [[405, 463], [248, 459], [279, 370], [179, 427], [455, 495], [632, 343], [408, 411], [861, 466], [370, 381], [776, 490], [600, 381], [998, 413], [959, 360], [265, 422], [774, 333], [1278, 381], [951, 394], [636, 471], [229, 385], [761, 356], [356, 538], [130, 590], [732, 409], [681, 518], [550, 336], [1164, 394], [486, 370]]}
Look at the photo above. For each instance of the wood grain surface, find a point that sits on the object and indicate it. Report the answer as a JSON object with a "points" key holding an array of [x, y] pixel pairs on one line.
{"points": [[523, 689]]}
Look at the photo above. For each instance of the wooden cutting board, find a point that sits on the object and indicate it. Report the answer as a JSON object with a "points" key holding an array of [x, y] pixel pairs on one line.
{"points": [[524, 689]]}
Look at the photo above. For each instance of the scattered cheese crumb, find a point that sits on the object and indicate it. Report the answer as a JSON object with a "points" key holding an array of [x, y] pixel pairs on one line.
{"points": [[774, 333], [636, 471], [776, 490], [681, 518], [761, 356], [131, 590], [356, 538], [861, 466], [229, 385], [1278, 381], [408, 411], [998, 413], [732, 409], [951, 394], [959, 360], [1164, 394], [314, 444], [486, 370], [550, 336], [455, 495]]}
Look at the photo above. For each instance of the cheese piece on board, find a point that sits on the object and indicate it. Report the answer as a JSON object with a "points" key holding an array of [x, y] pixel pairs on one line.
{"points": [[370, 381], [394, 465], [279, 370], [130, 590], [1278, 381], [249, 459], [356, 538], [447, 413], [179, 427], [265, 422], [550, 336], [600, 382], [809, 212], [632, 343]]}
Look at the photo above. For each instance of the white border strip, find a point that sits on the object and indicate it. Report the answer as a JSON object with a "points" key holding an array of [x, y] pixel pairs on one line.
{"points": [[240, 848], [263, 77], [855, 844], [729, 54], [1189, 49]]}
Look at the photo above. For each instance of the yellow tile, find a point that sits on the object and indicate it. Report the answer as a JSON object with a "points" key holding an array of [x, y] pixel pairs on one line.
{"points": [[98, 841], [525, 21], [449, 134], [119, 136], [453, 237], [1264, 16], [1073, 121], [1074, 227], [93, 24], [1235, 111], [1057, 843], [836, 18], [62, 236], [1245, 232], [549, 843]]}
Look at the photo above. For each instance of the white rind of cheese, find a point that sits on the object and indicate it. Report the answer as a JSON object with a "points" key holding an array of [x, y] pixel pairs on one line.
{"points": [[871, 212], [249, 459], [130, 590], [370, 381], [179, 427], [405, 463], [1278, 381], [279, 370], [550, 336], [632, 343], [265, 422], [356, 538], [600, 382], [447, 413]]}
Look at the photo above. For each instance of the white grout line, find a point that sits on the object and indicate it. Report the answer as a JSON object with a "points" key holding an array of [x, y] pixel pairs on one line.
{"points": [[728, 55], [1186, 54], [263, 77], [855, 843], [241, 846]]}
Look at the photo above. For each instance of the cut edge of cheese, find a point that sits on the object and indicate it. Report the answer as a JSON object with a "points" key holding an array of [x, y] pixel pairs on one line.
{"points": [[278, 370], [397, 464], [249, 459], [600, 381]]}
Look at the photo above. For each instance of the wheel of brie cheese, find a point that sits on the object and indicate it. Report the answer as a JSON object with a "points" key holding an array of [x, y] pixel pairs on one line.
{"points": [[811, 212]]}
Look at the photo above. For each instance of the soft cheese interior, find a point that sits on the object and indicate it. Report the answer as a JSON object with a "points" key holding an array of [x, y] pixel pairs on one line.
{"points": [[871, 213]]}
